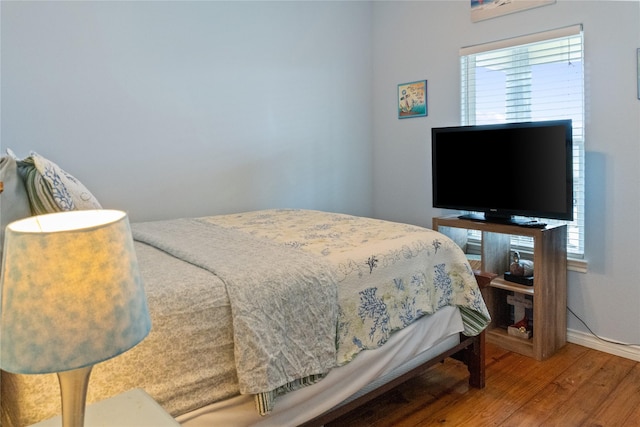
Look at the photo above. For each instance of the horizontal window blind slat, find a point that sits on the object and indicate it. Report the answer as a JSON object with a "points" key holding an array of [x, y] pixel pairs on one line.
{"points": [[562, 57]]}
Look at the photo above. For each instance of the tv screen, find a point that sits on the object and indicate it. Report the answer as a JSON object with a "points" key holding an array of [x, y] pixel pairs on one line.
{"points": [[505, 170]]}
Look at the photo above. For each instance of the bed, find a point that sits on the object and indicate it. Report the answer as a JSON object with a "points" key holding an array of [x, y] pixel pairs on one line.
{"points": [[282, 317]]}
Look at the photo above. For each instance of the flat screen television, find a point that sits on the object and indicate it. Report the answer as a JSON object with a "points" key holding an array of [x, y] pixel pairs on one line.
{"points": [[501, 171]]}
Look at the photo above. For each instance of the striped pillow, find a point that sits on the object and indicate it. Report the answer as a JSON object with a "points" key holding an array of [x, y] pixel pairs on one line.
{"points": [[51, 189]]}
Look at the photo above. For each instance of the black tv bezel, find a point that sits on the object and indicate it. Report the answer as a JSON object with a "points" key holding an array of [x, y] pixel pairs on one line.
{"points": [[506, 215]]}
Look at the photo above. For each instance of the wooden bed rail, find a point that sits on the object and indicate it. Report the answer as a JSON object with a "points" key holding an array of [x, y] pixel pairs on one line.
{"points": [[484, 278]]}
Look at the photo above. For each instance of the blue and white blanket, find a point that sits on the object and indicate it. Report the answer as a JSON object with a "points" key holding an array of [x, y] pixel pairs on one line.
{"points": [[309, 290]]}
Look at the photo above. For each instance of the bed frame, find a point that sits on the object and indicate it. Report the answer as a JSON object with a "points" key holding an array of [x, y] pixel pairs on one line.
{"points": [[471, 351]]}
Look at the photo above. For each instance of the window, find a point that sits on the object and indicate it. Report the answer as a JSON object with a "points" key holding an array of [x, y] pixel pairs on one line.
{"points": [[531, 78]]}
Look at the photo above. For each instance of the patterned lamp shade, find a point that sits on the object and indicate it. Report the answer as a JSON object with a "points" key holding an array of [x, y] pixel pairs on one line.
{"points": [[72, 295]]}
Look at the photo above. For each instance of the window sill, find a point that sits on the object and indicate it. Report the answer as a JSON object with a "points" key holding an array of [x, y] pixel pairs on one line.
{"points": [[577, 265]]}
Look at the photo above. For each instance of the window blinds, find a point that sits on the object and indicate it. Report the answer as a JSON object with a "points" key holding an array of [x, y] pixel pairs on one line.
{"points": [[531, 78]]}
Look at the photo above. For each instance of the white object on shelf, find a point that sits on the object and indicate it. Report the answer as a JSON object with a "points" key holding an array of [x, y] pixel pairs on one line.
{"points": [[134, 408], [519, 332]]}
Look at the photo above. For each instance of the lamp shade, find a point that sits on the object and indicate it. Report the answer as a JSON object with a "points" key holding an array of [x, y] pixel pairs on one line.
{"points": [[72, 295]]}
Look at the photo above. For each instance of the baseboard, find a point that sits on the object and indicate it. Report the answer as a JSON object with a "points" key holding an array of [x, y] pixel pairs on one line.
{"points": [[587, 340]]}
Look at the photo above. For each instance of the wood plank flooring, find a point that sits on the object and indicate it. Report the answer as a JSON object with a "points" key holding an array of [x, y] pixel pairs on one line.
{"points": [[575, 387]]}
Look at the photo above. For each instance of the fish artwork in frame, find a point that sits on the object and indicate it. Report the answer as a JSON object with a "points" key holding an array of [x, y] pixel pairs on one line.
{"points": [[412, 99]]}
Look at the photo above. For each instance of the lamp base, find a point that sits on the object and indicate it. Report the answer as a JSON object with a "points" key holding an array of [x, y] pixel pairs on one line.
{"points": [[73, 390]]}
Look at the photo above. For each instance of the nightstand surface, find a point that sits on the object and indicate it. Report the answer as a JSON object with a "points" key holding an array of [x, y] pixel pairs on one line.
{"points": [[134, 408]]}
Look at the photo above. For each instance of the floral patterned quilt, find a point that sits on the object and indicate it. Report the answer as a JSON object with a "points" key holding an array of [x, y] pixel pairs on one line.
{"points": [[389, 274]]}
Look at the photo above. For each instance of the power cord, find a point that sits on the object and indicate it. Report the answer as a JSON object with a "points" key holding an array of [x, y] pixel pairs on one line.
{"points": [[596, 335]]}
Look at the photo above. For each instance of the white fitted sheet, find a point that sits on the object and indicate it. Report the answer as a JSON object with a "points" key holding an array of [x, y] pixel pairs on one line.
{"points": [[406, 349]]}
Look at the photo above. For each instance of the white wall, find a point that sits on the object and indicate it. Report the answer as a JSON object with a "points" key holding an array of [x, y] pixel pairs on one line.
{"points": [[420, 40], [169, 109]]}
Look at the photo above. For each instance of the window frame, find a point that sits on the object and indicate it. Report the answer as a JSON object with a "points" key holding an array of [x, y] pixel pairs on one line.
{"points": [[522, 101]]}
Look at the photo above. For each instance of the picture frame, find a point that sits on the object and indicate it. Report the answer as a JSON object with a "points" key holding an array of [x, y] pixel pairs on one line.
{"points": [[412, 99], [487, 9]]}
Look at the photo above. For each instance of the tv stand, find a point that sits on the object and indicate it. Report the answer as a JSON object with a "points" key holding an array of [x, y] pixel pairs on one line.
{"points": [[498, 219], [547, 297]]}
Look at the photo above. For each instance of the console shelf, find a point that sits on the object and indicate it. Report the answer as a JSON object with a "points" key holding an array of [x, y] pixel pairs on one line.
{"points": [[501, 283], [547, 296]]}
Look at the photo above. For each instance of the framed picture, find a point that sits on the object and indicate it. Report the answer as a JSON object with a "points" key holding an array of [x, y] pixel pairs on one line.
{"points": [[412, 99], [486, 9]]}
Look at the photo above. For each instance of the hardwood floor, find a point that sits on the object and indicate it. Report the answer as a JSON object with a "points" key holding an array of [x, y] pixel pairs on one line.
{"points": [[576, 387]]}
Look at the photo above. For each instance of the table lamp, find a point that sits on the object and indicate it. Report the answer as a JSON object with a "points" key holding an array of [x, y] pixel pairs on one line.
{"points": [[72, 296]]}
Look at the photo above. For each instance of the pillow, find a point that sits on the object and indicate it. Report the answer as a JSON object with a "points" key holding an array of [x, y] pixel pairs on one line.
{"points": [[14, 202], [51, 189]]}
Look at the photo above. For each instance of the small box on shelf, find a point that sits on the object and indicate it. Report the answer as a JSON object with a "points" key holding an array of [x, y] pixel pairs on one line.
{"points": [[522, 280], [520, 329], [520, 332]]}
